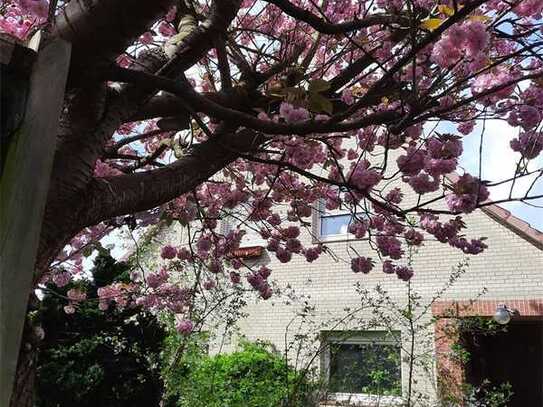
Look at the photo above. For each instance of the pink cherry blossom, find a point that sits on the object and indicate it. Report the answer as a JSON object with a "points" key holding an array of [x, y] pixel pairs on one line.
{"points": [[168, 252], [529, 8], [404, 273], [185, 327], [292, 114], [235, 278], [529, 144], [311, 254], [468, 191], [413, 238], [146, 38], [37, 8], [412, 162], [266, 292], [76, 295], [361, 265], [255, 280], [264, 272], [283, 255], [389, 246], [423, 183], [209, 284], [358, 229], [60, 279], [69, 309]]}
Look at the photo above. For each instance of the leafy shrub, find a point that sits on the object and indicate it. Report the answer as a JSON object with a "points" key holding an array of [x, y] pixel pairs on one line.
{"points": [[97, 358], [254, 376]]}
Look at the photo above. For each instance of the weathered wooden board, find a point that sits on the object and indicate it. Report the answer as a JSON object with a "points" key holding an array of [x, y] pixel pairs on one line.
{"points": [[23, 192]]}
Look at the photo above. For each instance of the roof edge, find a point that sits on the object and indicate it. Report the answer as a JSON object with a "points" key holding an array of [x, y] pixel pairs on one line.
{"points": [[515, 224], [507, 219]]}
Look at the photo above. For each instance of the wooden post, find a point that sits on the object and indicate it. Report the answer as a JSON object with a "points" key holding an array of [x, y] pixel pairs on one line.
{"points": [[24, 183]]}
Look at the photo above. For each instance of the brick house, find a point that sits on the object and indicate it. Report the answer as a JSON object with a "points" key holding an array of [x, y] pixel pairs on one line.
{"points": [[509, 272]]}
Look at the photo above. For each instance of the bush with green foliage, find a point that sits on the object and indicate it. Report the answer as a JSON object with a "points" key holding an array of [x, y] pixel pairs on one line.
{"points": [[97, 358], [254, 376]]}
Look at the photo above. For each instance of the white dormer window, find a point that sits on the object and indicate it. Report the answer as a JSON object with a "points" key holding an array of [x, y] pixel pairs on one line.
{"points": [[333, 223], [329, 225]]}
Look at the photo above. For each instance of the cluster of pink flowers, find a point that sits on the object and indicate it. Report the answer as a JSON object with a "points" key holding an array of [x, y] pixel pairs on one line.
{"points": [[390, 246], [529, 8], [361, 264], [304, 154], [413, 238], [529, 144], [75, 296], [61, 278], [468, 191], [363, 176], [403, 272], [23, 16], [469, 39], [154, 280], [118, 293], [185, 327], [525, 116], [259, 281], [423, 166], [165, 296], [284, 242], [292, 114], [498, 81], [358, 229], [442, 154], [169, 252], [449, 232], [473, 246]]}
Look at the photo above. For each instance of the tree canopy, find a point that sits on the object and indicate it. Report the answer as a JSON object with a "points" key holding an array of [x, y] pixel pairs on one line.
{"points": [[187, 110]]}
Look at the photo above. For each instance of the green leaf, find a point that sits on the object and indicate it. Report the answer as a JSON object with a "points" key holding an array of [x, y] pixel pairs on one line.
{"points": [[87, 251], [318, 85], [431, 23], [443, 8], [319, 104]]}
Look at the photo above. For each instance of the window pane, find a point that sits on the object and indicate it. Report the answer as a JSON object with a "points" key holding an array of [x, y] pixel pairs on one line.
{"points": [[365, 368], [335, 224]]}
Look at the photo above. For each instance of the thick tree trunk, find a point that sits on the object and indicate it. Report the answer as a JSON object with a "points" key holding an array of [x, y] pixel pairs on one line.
{"points": [[25, 376]]}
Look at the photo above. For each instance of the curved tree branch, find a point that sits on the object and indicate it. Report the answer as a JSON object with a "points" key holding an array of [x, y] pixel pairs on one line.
{"points": [[115, 196], [234, 117], [326, 27], [101, 30]]}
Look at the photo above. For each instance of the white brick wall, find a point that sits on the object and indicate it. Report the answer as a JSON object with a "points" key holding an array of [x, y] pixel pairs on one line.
{"points": [[511, 268]]}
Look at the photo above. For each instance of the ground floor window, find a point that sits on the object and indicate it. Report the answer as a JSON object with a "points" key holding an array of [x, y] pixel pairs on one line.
{"points": [[364, 363]]}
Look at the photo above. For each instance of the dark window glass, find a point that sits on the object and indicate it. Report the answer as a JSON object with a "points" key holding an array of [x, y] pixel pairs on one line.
{"points": [[370, 368]]}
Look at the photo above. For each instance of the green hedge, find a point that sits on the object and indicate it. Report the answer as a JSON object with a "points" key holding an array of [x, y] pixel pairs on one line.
{"points": [[254, 376]]}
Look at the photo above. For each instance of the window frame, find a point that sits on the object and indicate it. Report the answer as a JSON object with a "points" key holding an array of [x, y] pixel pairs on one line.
{"points": [[360, 338], [318, 213]]}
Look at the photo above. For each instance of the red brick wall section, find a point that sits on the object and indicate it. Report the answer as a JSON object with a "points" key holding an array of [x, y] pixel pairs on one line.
{"points": [[486, 308], [450, 372]]}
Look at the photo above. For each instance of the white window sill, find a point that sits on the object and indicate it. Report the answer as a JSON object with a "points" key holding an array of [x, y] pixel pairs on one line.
{"points": [[362, 400], [344, 237]]}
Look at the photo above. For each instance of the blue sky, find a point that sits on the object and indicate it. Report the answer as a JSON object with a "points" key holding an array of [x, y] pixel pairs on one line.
{"points": [[499, 163]]}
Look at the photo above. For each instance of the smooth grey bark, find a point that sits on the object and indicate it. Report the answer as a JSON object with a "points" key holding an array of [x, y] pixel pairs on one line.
{"points": [[23, 192]]}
